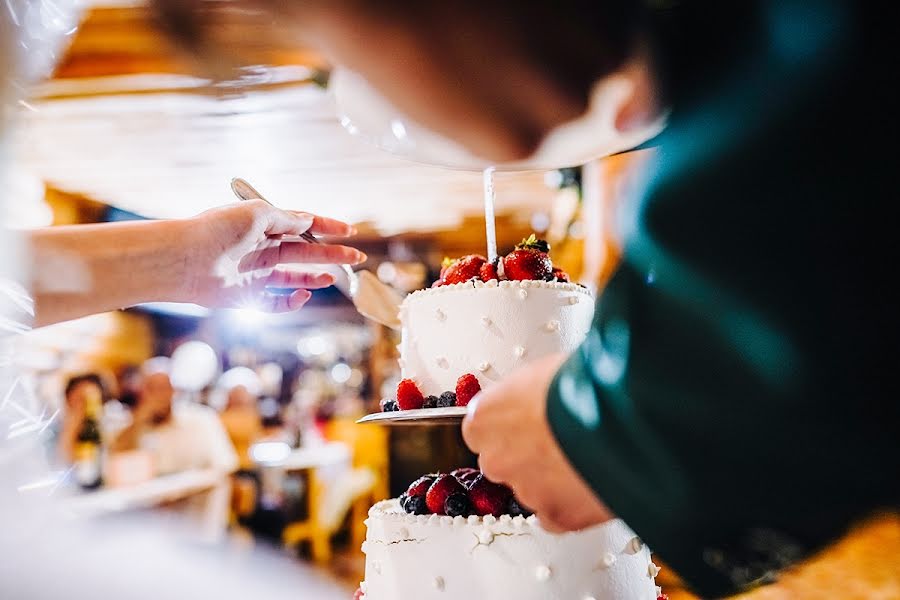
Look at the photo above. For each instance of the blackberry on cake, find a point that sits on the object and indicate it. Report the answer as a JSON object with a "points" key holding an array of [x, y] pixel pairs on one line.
{"points": [[416, 505], [457, 505], [389, 405], [430, 402], [447, 399], [515, 508]]}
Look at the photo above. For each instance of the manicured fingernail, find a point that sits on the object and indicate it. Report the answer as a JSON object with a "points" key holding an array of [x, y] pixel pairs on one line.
{"points": [[299, 298], [361, 257], [353, 230]]}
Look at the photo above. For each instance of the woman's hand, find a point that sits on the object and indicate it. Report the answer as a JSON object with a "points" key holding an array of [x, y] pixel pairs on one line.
{"points": [[507, 427], [239, 256], [226, 257]]}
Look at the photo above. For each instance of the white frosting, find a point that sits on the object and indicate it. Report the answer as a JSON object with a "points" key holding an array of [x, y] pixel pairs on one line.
{"points": [[488, 329], [452, 558]]}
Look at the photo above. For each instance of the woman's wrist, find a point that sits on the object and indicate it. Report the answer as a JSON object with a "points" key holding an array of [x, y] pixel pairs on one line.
{"points": [[84, 269]]}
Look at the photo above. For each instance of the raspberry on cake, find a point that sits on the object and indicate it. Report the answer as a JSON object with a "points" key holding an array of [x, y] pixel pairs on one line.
{"points": [[408, 395], [466, 388]]}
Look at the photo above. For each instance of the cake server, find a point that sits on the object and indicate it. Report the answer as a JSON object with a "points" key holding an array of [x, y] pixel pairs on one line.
{"points": [[450, 415], [372, 298]]}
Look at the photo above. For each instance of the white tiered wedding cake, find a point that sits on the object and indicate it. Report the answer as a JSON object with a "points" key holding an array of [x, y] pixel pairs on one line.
{"points": [[459, 536]]}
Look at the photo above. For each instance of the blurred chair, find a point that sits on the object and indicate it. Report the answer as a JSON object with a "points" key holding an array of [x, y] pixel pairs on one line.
{"points": [[369, 444], [353, 491]]}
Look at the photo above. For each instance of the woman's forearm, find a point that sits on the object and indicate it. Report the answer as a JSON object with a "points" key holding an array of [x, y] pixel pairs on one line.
{"points": [[84, 269]]}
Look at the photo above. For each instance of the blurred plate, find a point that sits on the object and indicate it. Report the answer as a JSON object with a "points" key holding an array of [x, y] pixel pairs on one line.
{"points": [[421, 416]]}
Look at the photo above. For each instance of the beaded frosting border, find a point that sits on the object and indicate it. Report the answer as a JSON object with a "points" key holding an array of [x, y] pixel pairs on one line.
{"points": [[493, 283]]}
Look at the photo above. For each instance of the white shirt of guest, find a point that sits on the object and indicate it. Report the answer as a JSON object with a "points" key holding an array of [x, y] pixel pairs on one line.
{"points": [[193, 438]]}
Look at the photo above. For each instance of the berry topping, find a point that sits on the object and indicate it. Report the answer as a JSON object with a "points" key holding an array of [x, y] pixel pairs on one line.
{"points": [[402, 500], [464, 269], [662, 597], [440, 490], [420, 486], [416, 505], [430, 402], [489, 498], [447, 399], [528, 261], [488, 272], [466, 388], [560, 275], [389, 405], [458, 505], [465, 474], [358, 594], [408, 395], [515, 509]]}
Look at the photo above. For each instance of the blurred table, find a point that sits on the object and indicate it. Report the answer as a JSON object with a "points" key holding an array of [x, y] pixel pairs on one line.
{"points": [[322, 465], [315, 457], [198, 498]]}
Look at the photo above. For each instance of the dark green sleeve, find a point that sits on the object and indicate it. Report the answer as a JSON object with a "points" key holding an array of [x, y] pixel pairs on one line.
{"points": [[733, 401]]}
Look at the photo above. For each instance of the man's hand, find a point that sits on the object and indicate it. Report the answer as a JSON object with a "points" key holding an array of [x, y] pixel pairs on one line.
{"points": [[507, 427], [238, 256]]}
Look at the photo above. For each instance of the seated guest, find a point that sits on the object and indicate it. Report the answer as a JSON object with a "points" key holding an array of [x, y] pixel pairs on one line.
{"points": [[180, 437], [242, 422], [78, 390]]}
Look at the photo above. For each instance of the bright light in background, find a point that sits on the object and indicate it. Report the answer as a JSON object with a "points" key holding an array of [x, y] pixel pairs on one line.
{"points": [[540, 221], [314, 346], [267, 453], [193, 366], [247, 317], [387, 272], [341, 373], [240, 376]]}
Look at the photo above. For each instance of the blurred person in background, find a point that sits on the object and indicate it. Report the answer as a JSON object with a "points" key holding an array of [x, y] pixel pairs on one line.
{"points": [[242, 422], [77, 393], [178, 437]]}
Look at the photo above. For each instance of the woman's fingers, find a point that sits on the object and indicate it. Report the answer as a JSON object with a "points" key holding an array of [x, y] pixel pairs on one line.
{"points": [[299, 253], [327, 226], [292, 222], [298, 280], [279, 303]]}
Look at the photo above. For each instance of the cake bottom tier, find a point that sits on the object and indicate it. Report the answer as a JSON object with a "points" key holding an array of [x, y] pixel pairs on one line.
{"points": [[456, 558]]}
